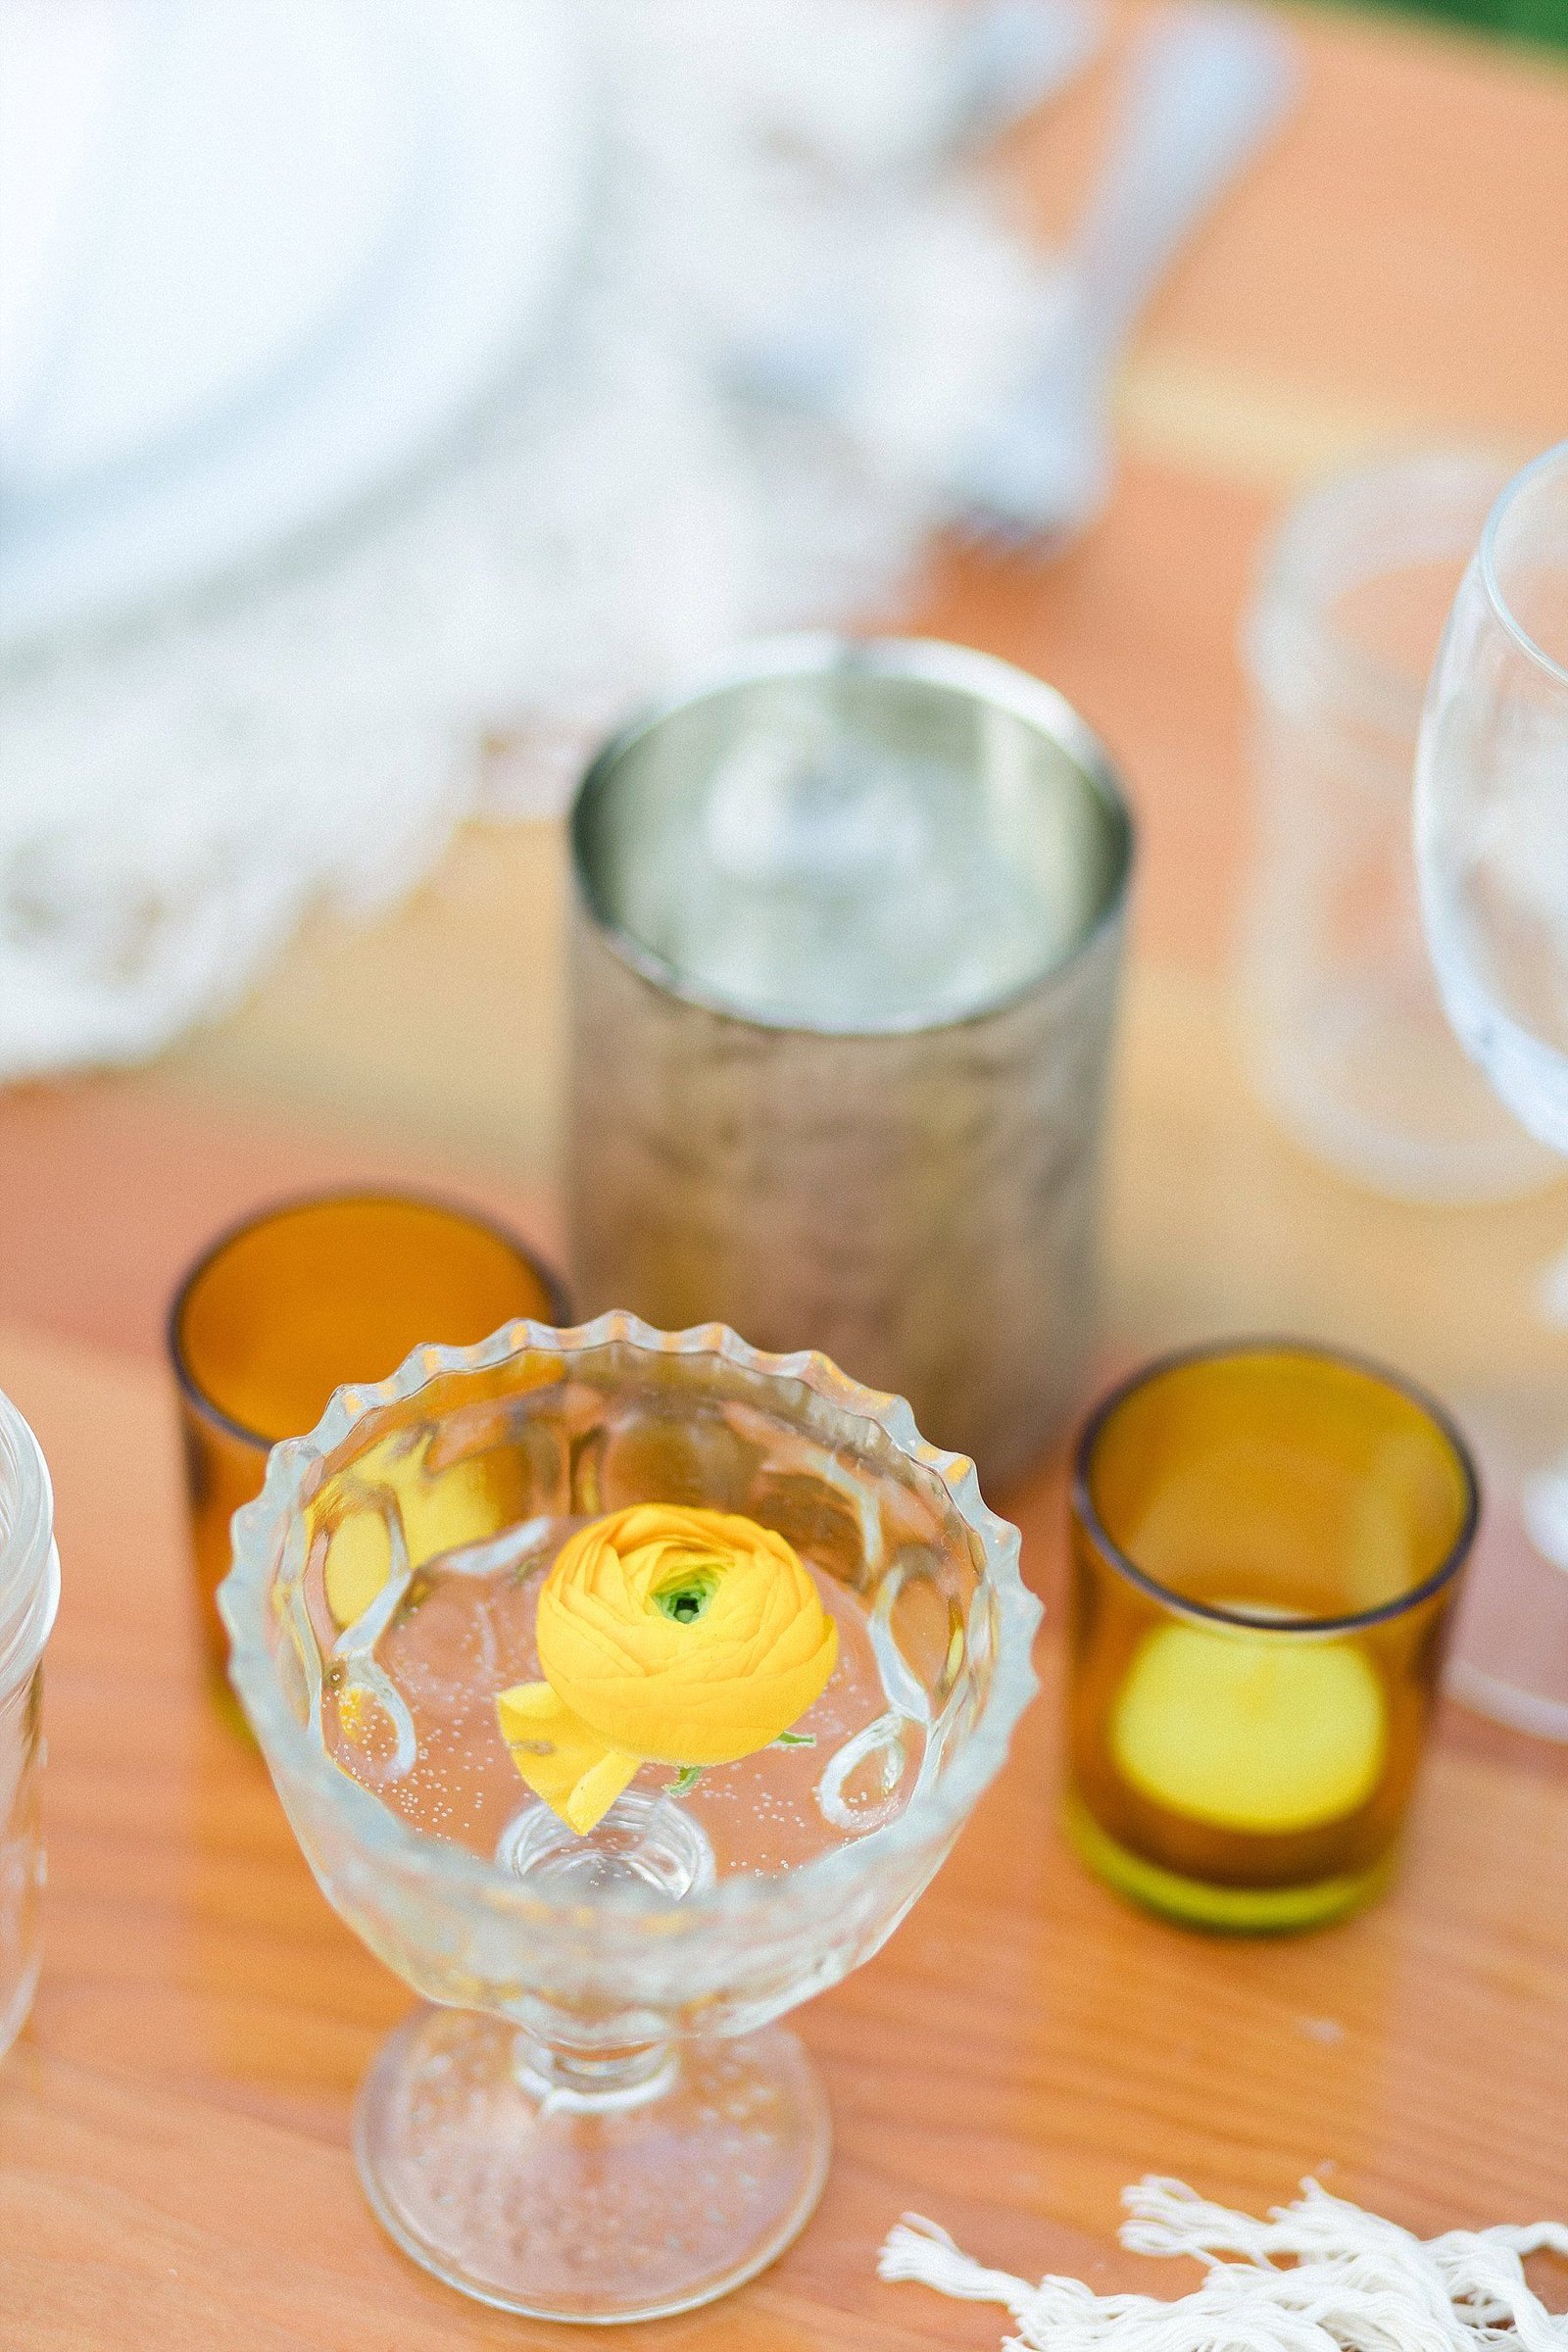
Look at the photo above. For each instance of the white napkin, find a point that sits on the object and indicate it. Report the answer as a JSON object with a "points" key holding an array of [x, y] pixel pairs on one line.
{"points": [[175, 796], [1319, 2276]]}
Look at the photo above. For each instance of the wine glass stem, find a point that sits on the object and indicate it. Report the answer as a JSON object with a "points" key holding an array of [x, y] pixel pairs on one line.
{"points": [[571, 2081]]}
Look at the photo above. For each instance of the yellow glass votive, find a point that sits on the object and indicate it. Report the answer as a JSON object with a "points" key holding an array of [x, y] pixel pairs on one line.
{"points": [[1267, 1542], [308, 1296]]}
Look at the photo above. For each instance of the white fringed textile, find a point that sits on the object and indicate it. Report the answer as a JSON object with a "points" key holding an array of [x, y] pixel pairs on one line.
{"points": [[1319, 2275], [173, 796]]}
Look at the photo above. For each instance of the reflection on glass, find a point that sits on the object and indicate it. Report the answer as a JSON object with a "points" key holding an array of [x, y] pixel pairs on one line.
{"points": [[29, 1593]]}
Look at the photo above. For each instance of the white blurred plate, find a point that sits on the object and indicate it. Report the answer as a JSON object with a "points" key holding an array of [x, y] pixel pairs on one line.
{"points": [[233, 174], [454, 221]]}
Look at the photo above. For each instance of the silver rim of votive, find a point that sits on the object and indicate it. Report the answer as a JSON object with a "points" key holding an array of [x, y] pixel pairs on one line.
{"points": [[958, 670]]}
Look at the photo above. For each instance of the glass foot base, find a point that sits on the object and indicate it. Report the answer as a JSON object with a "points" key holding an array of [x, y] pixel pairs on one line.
{"points": [[1232, 1910], [672, 2176]]}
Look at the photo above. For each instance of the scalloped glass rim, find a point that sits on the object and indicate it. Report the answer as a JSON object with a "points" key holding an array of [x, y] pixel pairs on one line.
{"points": [[931, 1815]]}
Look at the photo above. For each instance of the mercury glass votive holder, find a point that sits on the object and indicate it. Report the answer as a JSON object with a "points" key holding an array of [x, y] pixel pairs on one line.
{"points": [[597, 2118], [1266, 1545], [282, 1309], [845, 939]]}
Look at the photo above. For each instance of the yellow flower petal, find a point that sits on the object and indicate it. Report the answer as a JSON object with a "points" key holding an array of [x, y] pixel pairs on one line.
{"points": [[598, 1790], [576, 1773]]}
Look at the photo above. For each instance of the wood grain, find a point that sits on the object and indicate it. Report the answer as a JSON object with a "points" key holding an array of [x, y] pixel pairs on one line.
{"points": [[174, 2167]]}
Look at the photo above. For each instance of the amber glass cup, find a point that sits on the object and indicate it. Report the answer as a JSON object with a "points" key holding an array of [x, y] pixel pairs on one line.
{"points": [[1267, 1542], [304, 1298]]}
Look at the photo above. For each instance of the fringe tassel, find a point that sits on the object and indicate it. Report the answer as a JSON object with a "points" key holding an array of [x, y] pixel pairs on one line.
{"points": [[1353, 2283]]}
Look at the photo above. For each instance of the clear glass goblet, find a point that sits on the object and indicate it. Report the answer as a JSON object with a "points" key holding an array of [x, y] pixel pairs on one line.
{"points": [[597, 2118], [1492, 849]]}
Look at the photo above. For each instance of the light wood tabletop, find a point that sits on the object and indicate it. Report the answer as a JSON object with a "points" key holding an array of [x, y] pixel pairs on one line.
{"points": [[174, 2162]]}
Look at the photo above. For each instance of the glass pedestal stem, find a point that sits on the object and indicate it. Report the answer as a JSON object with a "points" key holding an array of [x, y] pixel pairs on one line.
{"points": [[600, 2083]]}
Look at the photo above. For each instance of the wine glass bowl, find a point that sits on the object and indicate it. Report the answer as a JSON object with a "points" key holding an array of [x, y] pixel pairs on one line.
{"points": [[600, 2120], [1492, 801], [1492, 852]]}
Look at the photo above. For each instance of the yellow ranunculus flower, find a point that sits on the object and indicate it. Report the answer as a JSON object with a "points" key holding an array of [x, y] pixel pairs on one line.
{"points": [[666, 1636], [686, 1636]]}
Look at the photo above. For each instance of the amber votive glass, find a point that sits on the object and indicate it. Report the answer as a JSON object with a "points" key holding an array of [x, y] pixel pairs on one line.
{"points": [[305, 1298], [1267, 1542]]}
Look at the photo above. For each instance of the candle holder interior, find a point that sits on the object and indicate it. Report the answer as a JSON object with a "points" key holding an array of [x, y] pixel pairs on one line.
{"points": [[599, 2118]]}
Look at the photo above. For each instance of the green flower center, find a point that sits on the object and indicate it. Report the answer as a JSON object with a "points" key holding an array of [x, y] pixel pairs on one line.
{"points": [[687, 1595]]}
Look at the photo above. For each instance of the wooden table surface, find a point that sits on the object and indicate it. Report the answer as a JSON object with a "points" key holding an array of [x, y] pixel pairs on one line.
{"points": [[174, 2167]]}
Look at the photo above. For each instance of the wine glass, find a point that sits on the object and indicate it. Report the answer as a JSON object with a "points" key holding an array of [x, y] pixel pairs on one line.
{"points": [[597, 2116], [1492, 849]]}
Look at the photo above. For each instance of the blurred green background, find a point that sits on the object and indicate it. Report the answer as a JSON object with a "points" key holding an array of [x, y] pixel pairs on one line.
{"points": [[1517, 19]]}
